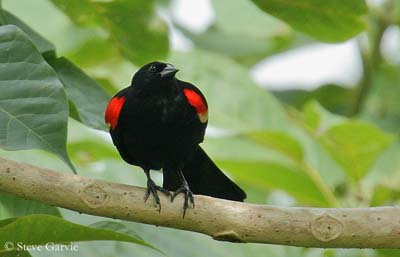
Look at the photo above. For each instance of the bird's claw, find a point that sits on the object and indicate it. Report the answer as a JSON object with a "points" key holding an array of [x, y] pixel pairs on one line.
{"points": [[188, 195], [152, 189]]}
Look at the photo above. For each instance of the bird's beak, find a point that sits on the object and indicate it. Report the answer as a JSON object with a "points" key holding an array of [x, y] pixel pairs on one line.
{"points": [[168, 71]]}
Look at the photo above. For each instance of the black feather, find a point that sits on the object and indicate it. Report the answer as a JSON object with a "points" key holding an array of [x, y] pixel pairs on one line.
{"points": [[205, 178]]}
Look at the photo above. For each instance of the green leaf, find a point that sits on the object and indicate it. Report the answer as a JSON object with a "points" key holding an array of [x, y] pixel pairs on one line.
{"points": [[318, 119], [269, 175], [77, 10], [41, 43], [387, 252], [253, 22], [242, 148], [18, 253], [291, 148], [133, 26], [246, 49], [334, 98], [233, 45], [33, 104], [93, 52], [89, 99], [39, 229], [248, 39], [281, 142], [140, 35], [12, 206], [330, 21], [115, 226], [2, 19], [87, 151], [384, 195], [170, 240], [385, 173], [382, 104], [107, 85], [355, 145]]}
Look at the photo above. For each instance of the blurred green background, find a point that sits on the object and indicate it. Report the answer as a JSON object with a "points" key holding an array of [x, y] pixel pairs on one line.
{"points": [[334, 145]]}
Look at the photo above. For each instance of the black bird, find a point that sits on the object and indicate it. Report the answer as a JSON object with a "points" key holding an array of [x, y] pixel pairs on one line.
{"points": [[158, 123]]}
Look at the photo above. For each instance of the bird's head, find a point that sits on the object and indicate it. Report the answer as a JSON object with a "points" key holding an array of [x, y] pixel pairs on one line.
{"points": [[154, 73]]}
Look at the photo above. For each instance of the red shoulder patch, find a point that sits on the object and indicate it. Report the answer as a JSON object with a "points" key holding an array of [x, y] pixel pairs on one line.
{"points": [[198, 104], [113, 110]]}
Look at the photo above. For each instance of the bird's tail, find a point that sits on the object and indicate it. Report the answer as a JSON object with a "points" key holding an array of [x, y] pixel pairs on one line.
{"points": [[205, 178]]}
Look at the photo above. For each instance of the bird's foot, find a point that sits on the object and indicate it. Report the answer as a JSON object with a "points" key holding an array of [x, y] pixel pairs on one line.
{"points": [[188, 195], [152, 189]]}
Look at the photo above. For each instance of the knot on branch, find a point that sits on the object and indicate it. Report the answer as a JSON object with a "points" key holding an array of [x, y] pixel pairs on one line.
{"points": [[93, 195], [228, 235], [326, 228]]}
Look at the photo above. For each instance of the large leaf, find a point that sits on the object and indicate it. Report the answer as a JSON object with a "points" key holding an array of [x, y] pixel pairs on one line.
{"points": [[237, 46], [51, 23], [384, 176], [94, 52], [17, 253], [183, 243], [388, 252], [173, 242], [330, 21], [384, 195], [253, 22], [281, 142], [140, 35], [89, 99], [75, 80], [33, 104], [89, 151], [291, 148], [334, 98], [268, 175], [318, 119], [77, 10], [39, 229], [355, 145], [41, 43], [134, 28], [115, 226], [248, 39], [11, 206]]}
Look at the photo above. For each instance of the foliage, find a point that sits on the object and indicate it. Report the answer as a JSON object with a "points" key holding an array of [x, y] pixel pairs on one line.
{"points": [[283, 147], [327, 21], [40, 229], [30, 99]]}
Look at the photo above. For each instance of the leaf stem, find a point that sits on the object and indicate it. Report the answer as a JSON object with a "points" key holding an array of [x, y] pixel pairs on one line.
{"points": [[320, 184], [371, 55]]}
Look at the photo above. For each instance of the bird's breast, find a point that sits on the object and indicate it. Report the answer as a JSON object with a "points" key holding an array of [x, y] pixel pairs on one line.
{"points": [[154, 112]]}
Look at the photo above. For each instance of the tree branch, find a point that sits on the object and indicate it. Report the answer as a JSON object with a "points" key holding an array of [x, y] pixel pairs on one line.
{"points": [[221, 219]]}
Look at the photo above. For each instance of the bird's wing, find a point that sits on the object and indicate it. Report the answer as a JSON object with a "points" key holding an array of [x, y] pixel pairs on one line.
{"points": [[196, 99]]}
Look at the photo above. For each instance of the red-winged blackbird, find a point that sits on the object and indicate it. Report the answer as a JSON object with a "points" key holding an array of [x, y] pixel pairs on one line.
{"points": [[158, 123]]}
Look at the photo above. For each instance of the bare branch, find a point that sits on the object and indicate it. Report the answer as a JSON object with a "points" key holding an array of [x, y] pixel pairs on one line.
{"points": [[221, 219]]}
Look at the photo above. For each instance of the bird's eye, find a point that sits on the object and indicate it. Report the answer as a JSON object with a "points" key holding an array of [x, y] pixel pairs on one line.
{"points": [[153, 68]]}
